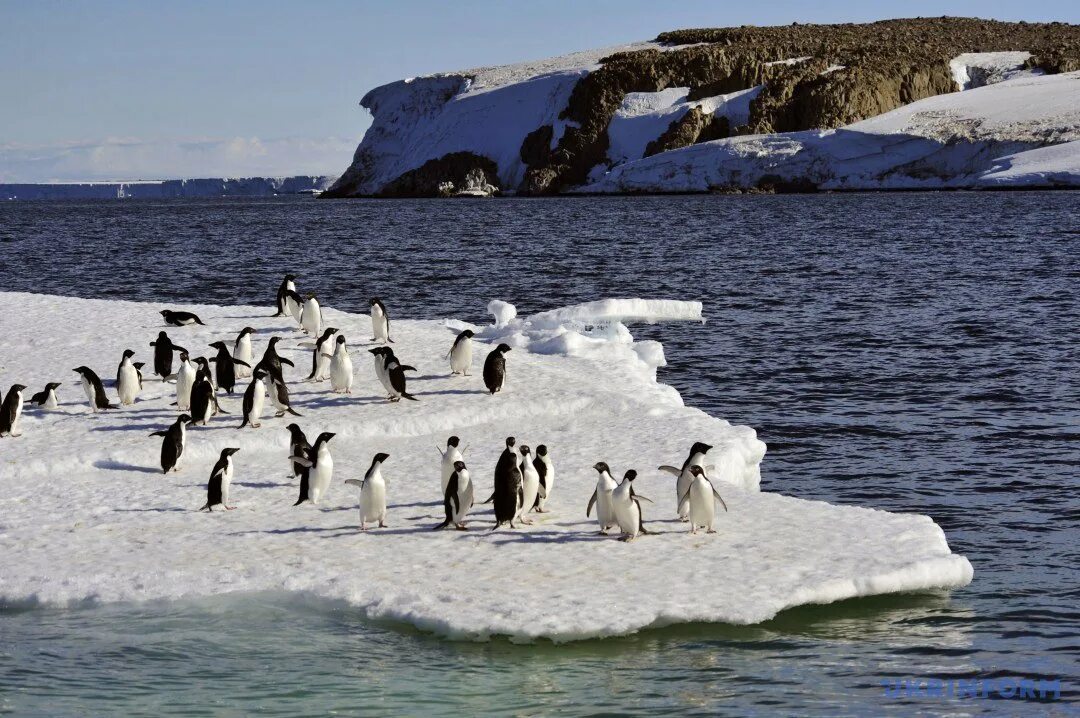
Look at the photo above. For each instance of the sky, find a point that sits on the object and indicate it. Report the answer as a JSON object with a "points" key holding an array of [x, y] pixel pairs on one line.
{"points": [[114, 89]]}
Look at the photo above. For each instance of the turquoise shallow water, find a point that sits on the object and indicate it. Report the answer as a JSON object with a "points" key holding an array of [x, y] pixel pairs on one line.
{"points": [[910, 352]]}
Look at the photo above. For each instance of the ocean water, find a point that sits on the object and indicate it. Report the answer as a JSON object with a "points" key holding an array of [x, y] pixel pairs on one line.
{"points": [[911, 352]]}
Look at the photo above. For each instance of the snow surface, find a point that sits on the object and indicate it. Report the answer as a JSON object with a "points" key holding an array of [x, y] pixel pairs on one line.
{"points": [[86, 515], [950, 140], [978, 69], [1057, 165]]}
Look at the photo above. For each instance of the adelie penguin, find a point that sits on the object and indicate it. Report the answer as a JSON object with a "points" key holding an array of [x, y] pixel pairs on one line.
{"points": [[460, 354], [11, 411], [627, 508], [457, 497], [318, 470], [295, 304], [242, 351], [311, 316], [372, 493], [185, 380], [450, 457], [320, 359], [381, 355], [530, 484], [163, 355], [696, 457], [95, 392], [702, 497], [204, 403], [172, 447], [495, 368], [507, 495], [127, 379], [279, 395], [298, 446], [395, 372], [288, 284], [380, 321], [46, 399], [180, 319], [225, 366], [271, 359], [221, 476], [341, 369], [601, 498], [254, 396], [546, 471], [202, 371]]}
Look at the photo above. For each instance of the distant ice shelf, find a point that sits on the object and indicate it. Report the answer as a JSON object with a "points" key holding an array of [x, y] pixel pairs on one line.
{"points": [[170, 189]]}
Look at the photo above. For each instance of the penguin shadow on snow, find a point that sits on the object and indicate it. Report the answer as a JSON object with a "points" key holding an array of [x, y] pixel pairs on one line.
{"points": [[169, 510], [111, 465], [526, 535], [129, 427], [321, 401], [342, 530]]}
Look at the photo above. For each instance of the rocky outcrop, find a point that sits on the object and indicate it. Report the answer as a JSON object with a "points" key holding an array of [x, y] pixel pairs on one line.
{"points": [[457, 174], [693, 127]]}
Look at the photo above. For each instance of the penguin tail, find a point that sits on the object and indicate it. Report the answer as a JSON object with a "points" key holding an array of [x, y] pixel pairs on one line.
{"points": [[300, 500], [206, 508], [490, 499], [291, 411], [410, 397], [443, 525], [243, 423]]}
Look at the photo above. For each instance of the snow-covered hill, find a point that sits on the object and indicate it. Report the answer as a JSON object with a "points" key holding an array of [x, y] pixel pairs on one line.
{"points": [[686, 116]]}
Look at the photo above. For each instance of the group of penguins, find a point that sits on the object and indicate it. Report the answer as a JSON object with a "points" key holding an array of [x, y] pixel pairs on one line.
{"points": [[522, 484]]}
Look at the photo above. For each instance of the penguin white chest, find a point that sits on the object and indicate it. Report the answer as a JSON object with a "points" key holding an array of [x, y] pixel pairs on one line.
{"points": [[18, 414], [465, 497], [341, 371], [702, 508], [89, 389], [450, 457], [530, 485], [185, 379], [627, 513], [51, 403], [379, 326], [242, 351], [373, 498], [127, 385], [226, 481], [311, 317], [461, 356], [320, 475], [257, 401]]}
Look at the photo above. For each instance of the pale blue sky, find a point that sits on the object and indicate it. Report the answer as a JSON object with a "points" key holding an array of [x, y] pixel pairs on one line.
{"points": [[201, 87]]}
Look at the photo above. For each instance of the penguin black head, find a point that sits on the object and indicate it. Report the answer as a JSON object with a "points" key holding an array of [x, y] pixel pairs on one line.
{"points": [[699, 448], [375, 302], [294, 429], [453, 441], [325, 437], [184, 356], [290, 277], [183, 419], [459, 466], [379, 458], [52, 385], [273, 341], [601, 467], [81, 369], [697, 470], [259, 374], [163, 334], [17, 387], [525, 450], [541, 450], [229, 452], [468, 334], [217, 345], [165, 312], [246, 330], [128, 353], [201, 361], [630, 475], [341, 339], [502, 348], [510, 441], [328, 331]]}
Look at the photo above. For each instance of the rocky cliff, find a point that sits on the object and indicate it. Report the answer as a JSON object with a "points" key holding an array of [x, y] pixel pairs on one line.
{"points": [[559, 125]]}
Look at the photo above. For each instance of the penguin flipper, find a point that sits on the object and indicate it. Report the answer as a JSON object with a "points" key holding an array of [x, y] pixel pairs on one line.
{"points": [[160, 433], [684, 497], [287, 361], [178, 348], [406, 367], [490, 498], [669, 469], [358, 483], [720, 499], [241, 362], [592, 501], [306, 463], [643, 498]]}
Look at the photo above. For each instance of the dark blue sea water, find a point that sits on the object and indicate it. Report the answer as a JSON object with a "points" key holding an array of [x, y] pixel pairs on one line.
{"points": [[912, 352]]}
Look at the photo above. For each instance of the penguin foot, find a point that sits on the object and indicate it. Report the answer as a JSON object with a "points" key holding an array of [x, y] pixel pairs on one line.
{"points": [[229, 508], [462, 527], [382, 525], [711, 531]]}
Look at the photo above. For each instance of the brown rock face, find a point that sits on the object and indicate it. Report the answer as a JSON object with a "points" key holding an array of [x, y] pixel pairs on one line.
{"points": [[445, 176], [885, 65], [693, 127]]}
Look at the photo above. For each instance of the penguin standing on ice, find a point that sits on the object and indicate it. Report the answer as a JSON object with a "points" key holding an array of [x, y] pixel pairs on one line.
{"points": [[46, 399], [627, 508], [507, 495], [295, 304], [287, 285], [204, 403], [180, 319], [279, 394], [395, 372], [311, 316], [242, 351], [185, 380], [601, 498], [530, 484], [138, 371], [372, 493], [457, 498], [298, 446], [11, 411], [380, 322], [702, 497], [460, 354], [225, 366], [381, 355], [163, 355], [696, 457], [495, 368], [202, 371], [95, 392], [127, 379], [449, 458], [546, 471], [172, 447], [318, 470], [254, 396], [270, 358], [320, 359], [217, 488], [341, 369]]}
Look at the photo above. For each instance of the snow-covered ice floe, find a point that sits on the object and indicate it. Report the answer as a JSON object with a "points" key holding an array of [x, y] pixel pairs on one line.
{"points": [[86, 514]]}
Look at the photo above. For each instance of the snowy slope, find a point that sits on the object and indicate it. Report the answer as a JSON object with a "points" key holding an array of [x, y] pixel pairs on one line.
{"points": [[944, 141], [89, 516]]}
